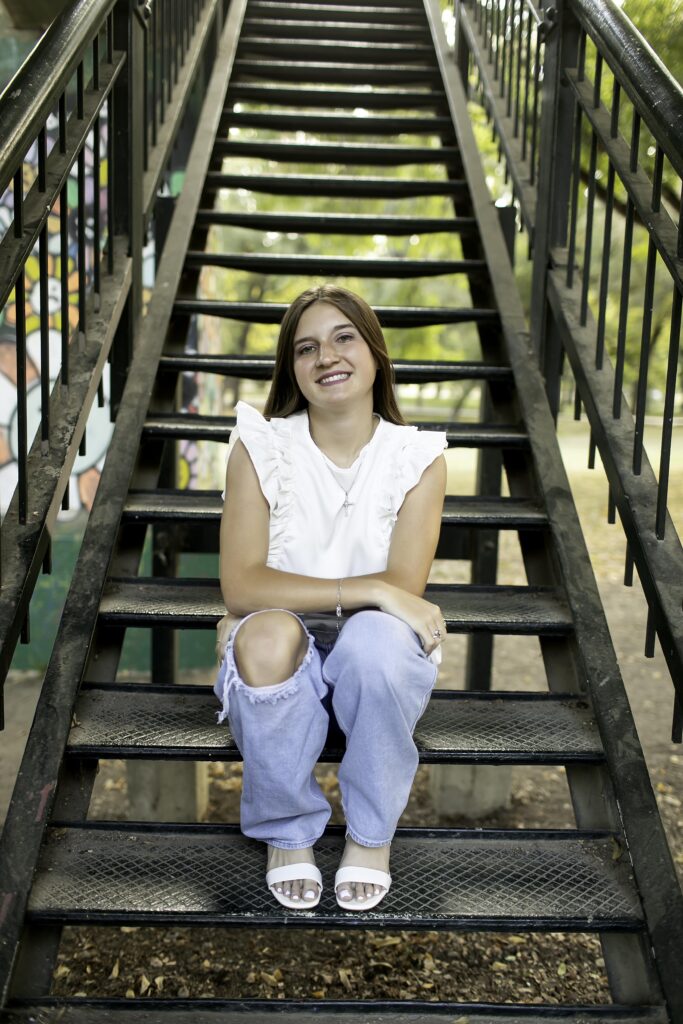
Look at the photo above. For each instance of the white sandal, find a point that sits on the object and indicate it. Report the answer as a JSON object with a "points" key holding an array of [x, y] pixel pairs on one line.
{"points": [[290, 873], [366, 876]]}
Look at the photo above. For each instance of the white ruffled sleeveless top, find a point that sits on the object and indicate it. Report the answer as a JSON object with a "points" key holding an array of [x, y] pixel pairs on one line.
{"points": [[311, 531]]}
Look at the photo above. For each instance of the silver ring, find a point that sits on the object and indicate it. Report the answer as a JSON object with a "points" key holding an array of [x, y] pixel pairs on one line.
{"points": [[436, 633]]}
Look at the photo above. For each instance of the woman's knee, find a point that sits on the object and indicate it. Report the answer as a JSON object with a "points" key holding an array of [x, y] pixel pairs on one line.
{"points": [[269, 647], [376, 635]]}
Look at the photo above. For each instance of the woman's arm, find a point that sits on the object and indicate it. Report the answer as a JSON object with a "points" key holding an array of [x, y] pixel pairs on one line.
{"points": [[248, 584]]}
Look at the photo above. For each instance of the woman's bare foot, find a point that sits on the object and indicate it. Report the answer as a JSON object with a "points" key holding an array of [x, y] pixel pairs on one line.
{"points": [[376, 857], [304, 889]]}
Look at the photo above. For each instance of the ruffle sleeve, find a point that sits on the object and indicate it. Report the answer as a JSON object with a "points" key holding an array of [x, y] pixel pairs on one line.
{"points": [[268, 443], [416, 449]]}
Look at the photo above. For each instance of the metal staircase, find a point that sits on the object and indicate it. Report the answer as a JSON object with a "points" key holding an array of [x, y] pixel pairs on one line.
{"points": [[611, 874]]}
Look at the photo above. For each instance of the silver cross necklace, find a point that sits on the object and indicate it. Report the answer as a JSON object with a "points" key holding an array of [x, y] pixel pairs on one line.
{"points": [[348, 505]]}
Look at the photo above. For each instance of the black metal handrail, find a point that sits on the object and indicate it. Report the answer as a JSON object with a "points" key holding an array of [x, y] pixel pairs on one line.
{"points": [[104, 73], [579, 43]]}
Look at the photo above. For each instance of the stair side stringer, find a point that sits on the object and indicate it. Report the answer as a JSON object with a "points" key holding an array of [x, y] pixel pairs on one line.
{"points": [[642, 828], [36, 788]]}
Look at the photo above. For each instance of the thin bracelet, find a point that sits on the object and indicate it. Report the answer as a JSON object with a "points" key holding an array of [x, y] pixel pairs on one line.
{"points": [[339, 607]]}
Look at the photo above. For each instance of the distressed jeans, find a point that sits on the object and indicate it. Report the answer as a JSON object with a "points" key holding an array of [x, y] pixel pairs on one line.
{"points": [[378, 681]]}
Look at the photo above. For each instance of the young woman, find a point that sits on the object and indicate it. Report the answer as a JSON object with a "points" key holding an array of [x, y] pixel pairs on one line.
{"points": [[332, 505]]}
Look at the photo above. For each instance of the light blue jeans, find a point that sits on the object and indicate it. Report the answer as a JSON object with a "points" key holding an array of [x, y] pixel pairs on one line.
{"points": [[378, 681]]}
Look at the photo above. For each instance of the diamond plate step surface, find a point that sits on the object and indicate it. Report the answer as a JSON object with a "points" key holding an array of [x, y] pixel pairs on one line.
{"points": [[340, 187], [406, 372], [206, 507], [389, 316], [330, 99], [219, 428], [245, 1011], [347, 154], [442, 879], [174, 721], [187, 603]]}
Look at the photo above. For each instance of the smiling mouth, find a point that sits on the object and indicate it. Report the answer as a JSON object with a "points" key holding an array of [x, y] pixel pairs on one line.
{"points": [[333, 378]]}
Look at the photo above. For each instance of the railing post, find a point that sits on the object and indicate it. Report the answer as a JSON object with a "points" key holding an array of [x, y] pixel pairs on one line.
{"points": [[128, 159], [461, 49], [555, 148]]}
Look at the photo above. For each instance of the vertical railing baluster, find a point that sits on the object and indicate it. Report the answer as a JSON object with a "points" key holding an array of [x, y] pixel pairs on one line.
{"points": [[604, 272], [81, 214], [574, 200], [668, 417], [511, 62], [650, 635], [145, 98], [644, 361], [496, 30], [518, 75], [628, 567], [155, 72], [111, 184], [620, 357], [97, 234], [527, 86], [504, 37], [535, 119], [588, 246], [44, 305]]}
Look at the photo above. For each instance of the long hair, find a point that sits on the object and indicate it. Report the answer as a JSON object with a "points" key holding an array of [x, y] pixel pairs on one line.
{"points": [[285, 397]]}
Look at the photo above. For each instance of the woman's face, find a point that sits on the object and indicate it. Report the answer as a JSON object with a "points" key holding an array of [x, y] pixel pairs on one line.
{"points": [[333, 363]]}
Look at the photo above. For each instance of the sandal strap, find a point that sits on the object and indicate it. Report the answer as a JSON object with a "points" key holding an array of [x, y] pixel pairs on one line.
{"points": [[291, 872], [369, 876]]}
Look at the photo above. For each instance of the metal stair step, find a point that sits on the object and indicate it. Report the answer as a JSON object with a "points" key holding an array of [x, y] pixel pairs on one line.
{"points": [[206, 506], [261, 368], [222, 1011], [349, 13], [180, 426], [348, 154], [137, 720], [212, 875], [389, 316], [362, 31], [442, 879], [347, 266], [336, 74], [339, 187], [322, 48], [197, 603], [331, 99], [351, 124], [338, 223]]}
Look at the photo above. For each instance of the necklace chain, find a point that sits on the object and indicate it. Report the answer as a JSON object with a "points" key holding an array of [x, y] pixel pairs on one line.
{"points": [[348, 505]]}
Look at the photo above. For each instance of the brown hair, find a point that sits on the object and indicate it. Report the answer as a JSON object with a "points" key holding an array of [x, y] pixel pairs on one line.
{"points": [[285, 397]]}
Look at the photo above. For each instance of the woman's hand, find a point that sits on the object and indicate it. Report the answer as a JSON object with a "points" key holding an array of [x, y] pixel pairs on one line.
{"points": [[224, 628], [422, 616]]}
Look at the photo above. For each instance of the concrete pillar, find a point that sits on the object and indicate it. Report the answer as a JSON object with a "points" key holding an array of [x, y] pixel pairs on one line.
{"points": [[470, 790], [167, 790]]}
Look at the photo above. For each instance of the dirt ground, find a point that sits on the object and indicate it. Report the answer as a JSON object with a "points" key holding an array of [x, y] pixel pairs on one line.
{"points": [[431, 966]]}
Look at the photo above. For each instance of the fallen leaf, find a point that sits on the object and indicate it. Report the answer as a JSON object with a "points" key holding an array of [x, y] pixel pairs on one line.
{"points": [[345, 976], [319, 993], [251, 977], [130, 993], [155, 961], [145, 984], [114, 971], [183, 992], [269, 979], [159, 982], [498, 965], [126, 929], [561, 970], [61, 972]]}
